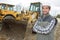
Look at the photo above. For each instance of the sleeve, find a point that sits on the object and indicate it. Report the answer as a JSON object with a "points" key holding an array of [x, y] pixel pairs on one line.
{"points": [[46, 30]]}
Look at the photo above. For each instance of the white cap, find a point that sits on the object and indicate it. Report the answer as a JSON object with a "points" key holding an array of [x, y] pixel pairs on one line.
{"points": [[48, 4]]}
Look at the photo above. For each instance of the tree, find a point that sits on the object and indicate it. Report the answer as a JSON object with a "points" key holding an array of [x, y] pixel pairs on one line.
{"points": [[58, 16]]}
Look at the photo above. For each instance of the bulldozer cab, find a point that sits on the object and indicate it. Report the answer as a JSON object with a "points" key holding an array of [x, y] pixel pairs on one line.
{"points": [[35, 7], [4, 6]]}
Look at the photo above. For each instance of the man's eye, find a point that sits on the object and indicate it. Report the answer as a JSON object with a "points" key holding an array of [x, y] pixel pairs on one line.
{"points": [[42, 8], [47, 8]]}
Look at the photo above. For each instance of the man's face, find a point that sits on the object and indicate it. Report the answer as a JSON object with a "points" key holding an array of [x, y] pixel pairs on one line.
{"points": [[45, 9]]}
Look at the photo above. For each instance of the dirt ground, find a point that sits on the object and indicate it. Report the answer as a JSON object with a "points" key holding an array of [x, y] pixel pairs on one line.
{"points": [[57, 32], [17, 32]]}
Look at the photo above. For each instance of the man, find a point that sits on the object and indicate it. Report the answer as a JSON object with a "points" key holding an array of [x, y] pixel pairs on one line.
{"points": [[45, 25]]}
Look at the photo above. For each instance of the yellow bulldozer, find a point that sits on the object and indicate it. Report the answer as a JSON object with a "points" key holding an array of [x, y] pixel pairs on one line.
{"points": [[8, 15], [33, 13], [7, 10]]}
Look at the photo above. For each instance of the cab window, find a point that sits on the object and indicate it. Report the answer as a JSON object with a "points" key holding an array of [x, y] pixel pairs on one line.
{"points": [[34, 7], [10, 8], [3, 7]]}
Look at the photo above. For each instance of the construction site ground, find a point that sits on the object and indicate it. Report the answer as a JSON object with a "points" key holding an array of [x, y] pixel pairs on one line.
{"points": [[17, 32]]}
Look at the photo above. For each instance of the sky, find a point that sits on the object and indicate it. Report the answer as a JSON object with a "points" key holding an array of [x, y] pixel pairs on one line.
{"points": [[55, 4]]}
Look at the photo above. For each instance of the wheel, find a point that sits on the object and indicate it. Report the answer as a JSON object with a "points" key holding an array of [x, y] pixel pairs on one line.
{"points": [[8, 21]]}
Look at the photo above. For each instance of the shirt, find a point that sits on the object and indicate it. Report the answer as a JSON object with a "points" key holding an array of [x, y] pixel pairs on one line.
{"points": [[44, 27]]}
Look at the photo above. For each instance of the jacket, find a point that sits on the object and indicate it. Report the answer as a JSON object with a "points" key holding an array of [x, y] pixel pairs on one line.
{"points": [[44, 25]]}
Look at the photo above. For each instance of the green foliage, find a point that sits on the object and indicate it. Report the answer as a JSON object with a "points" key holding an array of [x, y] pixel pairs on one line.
{"points": [[58, 16]]}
